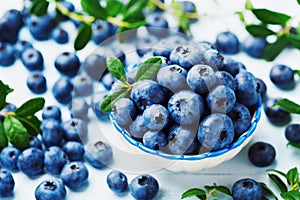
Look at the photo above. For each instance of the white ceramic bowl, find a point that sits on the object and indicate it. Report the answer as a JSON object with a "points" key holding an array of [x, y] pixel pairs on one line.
{"points": [[192, 163]]}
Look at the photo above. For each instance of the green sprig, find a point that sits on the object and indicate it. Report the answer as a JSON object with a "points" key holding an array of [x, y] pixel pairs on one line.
{"points": [[207, 192]]}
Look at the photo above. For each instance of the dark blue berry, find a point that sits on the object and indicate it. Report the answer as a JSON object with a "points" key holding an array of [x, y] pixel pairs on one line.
{"points": [[227, 42], [50, 189], [262, 88], [144, 45], [7, 56], [282, 76], [117, 181], [9, 157], [75, 130], [124, 111], [62, 90], [188, 6], [292, 133], [137, 128], [241, 119], [156, 140], [232, 66], [102, 30], [186, 56], [67, 63], [95, 66], [52, 112], [156, 117], [37, 83], [74, 150], [157, 25], [246, 189], [69, 6], [22, 45], [276, 115], [261, 154], [224, 78], [78, 108], [98, 154], [15, 18], [52, 132], [254, 47], [54, 160], [60, 35], [108, 80], [9, 32], [32, 59], [31, 162], [41, 27], [35, 142], [96, 102], [83, 85], [144, 187], [7, 184]]}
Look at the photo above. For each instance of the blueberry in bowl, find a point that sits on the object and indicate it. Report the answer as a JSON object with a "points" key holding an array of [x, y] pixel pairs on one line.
{"points": [[197, 126]]}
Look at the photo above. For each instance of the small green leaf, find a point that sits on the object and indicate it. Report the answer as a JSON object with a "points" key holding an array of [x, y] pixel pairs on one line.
{"points": [[294, 40], [116, 68], [292, 176], [93, 7], [298, 2], [30, 107], [274, 49], [3, 139], [133, 8], [15, 132], [278, 182], [148, 69], [32, 124], [4, 91], [183, 20], [110, 100], [297, 72], [288, 106], [270, 17], [291, 195], [241, 16], [248, 5], [39, 7], [113, 7], [193, 192], [259, 30], [277, 171], [267, 190], [223, 189], [295, 145], [83, 36]]}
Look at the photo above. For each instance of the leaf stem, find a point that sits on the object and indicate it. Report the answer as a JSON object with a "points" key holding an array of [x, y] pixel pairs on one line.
{"points": [[117, 21], [159, 4], [4, 114], [210, 192], [294, 186]]}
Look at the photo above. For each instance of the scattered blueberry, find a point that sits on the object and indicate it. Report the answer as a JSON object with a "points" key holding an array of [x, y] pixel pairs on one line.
{"points": [[246, 189], [9, 157], [96, 102], [62, 90], [52, 112], [292, 133], [54, 160], [124, 111], [157, 25], [144, 186], [117, 181], [78, 108], [98, 154], [102, 30], [254, 47], [50, 189], [69, 6], [7, 56], [37, 83], [60, 35], [108, 80], [67, 63], [276, 115], [31, 162], [7, 184], [41, 27], [74, 150], [95, 66], [32, 59], [227, 42], [75, 130], [261, 154], [144, 45], [22, 45], [83, 85], [52, 132], [282, 76]]}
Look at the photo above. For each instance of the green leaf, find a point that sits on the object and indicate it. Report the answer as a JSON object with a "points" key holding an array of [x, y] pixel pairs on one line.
{"points": [[298, 2], [193, 192], [259, 30], [241, 16], [277, 171], [292, 176], [295, 145], [134, 9], [84, 35], [274, 49], [223, 189], [110, 100], [248, 5], [113, 7], [294, 40], [270, 17], [93, 7], [297, 72], [278, 182], [39, 7], [288, 106], [183, 20], [32, 124], [148, 69], [30, 107], [3, 139], [267, 190], [291, 195], [116, 68], [15, 132], [4, 91]]}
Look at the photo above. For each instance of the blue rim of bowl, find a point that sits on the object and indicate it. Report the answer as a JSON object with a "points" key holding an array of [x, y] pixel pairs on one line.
{"points": [[201, 156]]}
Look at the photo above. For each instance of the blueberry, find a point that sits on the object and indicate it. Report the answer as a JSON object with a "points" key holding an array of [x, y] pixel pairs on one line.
{"points": [[221, 99], [224, 78], [241, 119], [20, 46], [60, 35], [213, 58], [102, 30], [261, 154], [9, 32], [52, 112], [137, 128], [32, 59], [9, 157], [262, 89], [246, 189], [156, 117], [78, 108], [144, 45], [144, 93], [41, 27], [95, 66], [157, 25], [62, 90], [124, 111], [186, 56], [50, 189], [7, 56], [156, 140], [14, 18], [31, 162], [227, 42], [96, 102], [116, 52], [74, 150], [162, 48], [254, 47], [185, 107], [108, 80], [216, 131], [83, 85], [292, 133], [144, 187], [282, 76], [67, 63], [52, 132], [246, 89], [69, 6], [276, 115], [98, 154], [188, 6], [172, 77], [182, 140], [201, 78], [54, 160], [75, 130], [117, 181], [232, 66], [37, 83], [35, 142], [75, 175], [204, 46], [7, 184]]}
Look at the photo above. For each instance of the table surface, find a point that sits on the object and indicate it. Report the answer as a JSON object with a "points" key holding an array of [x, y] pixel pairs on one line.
{"points": [[215, 17]]}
